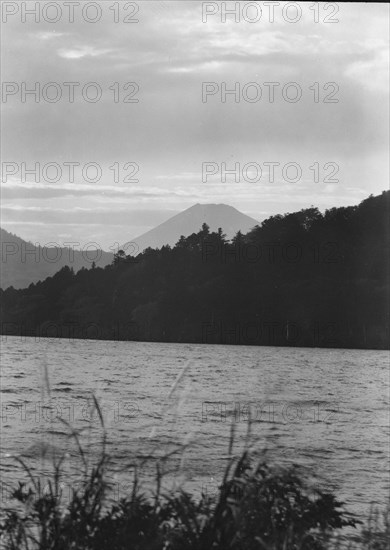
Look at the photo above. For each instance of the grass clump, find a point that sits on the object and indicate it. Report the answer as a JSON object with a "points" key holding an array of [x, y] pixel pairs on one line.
{"points": [[257, 507]]}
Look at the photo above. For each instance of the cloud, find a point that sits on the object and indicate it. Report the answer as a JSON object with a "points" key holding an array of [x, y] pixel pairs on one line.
{"points": [[190, 176], [49, 35], [30, 191], [212, 66], [171, 132], [86, 216], [83, 51]]}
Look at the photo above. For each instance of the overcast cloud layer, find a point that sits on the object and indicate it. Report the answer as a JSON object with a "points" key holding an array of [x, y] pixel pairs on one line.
{"points": [[170, 132]]}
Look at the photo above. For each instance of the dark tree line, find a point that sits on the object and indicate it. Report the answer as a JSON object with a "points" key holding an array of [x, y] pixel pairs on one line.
{"points": [[302, 279]]}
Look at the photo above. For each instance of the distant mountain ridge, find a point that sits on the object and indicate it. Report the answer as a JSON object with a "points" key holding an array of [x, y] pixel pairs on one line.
{"points": [[23, 263], [190, 221]]}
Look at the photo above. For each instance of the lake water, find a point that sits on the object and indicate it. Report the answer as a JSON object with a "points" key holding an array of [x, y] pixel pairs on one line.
{"points": [[324, 409]]}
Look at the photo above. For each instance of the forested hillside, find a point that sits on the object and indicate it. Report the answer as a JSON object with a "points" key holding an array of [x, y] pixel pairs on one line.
{"points": [[301, 279], [22, 262]]}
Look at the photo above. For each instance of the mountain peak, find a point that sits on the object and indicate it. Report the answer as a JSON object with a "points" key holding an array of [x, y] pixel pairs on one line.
{"points": [[191, 220]]}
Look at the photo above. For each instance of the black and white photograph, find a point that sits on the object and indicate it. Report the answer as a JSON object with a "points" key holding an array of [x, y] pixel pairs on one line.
{"points": [[195, 275]]}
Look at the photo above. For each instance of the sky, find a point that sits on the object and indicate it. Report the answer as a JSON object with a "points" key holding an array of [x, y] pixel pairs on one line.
{"points": [[155, 132]]}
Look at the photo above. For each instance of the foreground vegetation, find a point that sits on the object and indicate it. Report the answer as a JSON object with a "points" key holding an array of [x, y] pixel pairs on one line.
{"points": [[258, 507]]}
